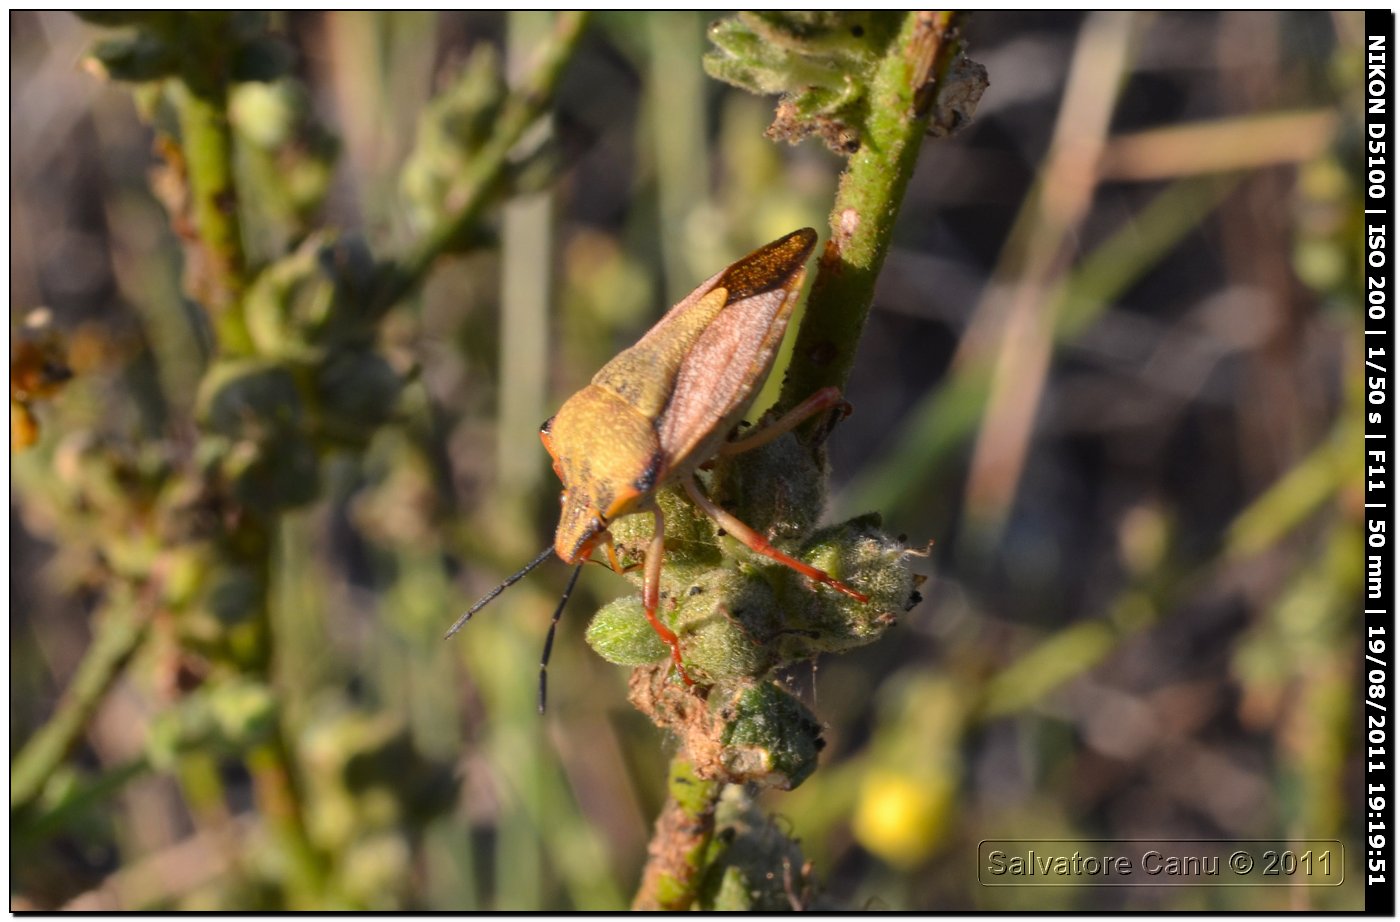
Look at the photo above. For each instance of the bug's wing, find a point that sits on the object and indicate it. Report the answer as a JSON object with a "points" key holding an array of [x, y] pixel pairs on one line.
{"points": [[644, 375], [730, 359]]}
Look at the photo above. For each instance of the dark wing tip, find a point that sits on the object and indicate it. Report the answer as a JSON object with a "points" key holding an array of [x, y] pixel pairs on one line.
{"points": [[769, 267], [801, 241]]}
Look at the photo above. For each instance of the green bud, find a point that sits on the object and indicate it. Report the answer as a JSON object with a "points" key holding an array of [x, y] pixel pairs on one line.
{"points": [[751, 864], [135, 58], [769, 737], [263, 58], [289, 301], [356, 392], [244, 712], [621, 634], [172, 729], [746, 620], [691, 543], [234, 594], [451, 130], [227, 716], [265, 114], [270, 476], [819, 62], [223, 624], [721, 618], [183, 569], [860, 555], [249, 399], [778, 490], [270, 463], [743, 731]]}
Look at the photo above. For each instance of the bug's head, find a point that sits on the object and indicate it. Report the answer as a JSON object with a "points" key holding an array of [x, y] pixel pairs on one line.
{"points": [[608, 461], [582, 523], [581, 528]]}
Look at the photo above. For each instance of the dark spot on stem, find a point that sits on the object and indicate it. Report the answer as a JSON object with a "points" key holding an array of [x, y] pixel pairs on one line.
{"points": [[226, 201], [823, 353]]}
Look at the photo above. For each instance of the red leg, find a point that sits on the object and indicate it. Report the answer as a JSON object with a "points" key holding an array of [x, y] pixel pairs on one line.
{"points": [[757, 543], [822, 400], [651, 592]]}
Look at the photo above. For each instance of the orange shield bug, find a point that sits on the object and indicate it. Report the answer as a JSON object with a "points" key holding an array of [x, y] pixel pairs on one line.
{"points": [[662, 408]]}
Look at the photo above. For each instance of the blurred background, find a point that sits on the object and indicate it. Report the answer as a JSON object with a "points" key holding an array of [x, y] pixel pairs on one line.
{"points": [[1110, 372]]}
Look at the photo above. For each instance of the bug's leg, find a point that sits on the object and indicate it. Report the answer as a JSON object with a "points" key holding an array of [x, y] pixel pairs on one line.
{"points": [[756, 542], [613, 562], [651, 592], [821, 401]]}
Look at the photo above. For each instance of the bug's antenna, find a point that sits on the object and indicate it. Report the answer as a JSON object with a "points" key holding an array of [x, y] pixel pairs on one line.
{"points": [[549, 638], [506, 584]]}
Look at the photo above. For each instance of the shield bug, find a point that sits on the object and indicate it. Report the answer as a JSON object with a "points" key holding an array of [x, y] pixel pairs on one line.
{"points": [[661, 409]]}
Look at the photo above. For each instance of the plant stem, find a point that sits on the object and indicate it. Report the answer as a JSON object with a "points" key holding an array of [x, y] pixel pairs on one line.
{"points": [[520, 111], [219, 280], [280, 802], [273, 763], [207, 143], [902, 89], [675, 857], [120, 632], [867, 203], [52, 819]]}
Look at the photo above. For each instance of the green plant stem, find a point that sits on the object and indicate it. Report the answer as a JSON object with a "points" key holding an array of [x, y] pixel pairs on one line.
{"points": [[867, 204], [273, 763], [902, 88], [526, 104], [119, 634], [280, 802], [676, 855], [201, 102], [207, 143], [38, 826]]}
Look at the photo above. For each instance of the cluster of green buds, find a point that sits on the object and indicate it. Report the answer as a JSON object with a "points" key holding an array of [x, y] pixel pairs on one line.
{"points": [[371, 794], [740, 616], [163, 44], [751, 865], [299, 372], [316, 382], [459, 121], [818, 61], [823, 67]]}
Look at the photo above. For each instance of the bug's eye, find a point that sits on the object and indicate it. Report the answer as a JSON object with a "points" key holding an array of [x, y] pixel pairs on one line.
{"points": [[563, 498], [598, 524], [544, 426]]}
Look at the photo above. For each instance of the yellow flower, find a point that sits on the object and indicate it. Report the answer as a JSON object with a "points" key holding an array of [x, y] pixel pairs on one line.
{"points": [[901, 818]]}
